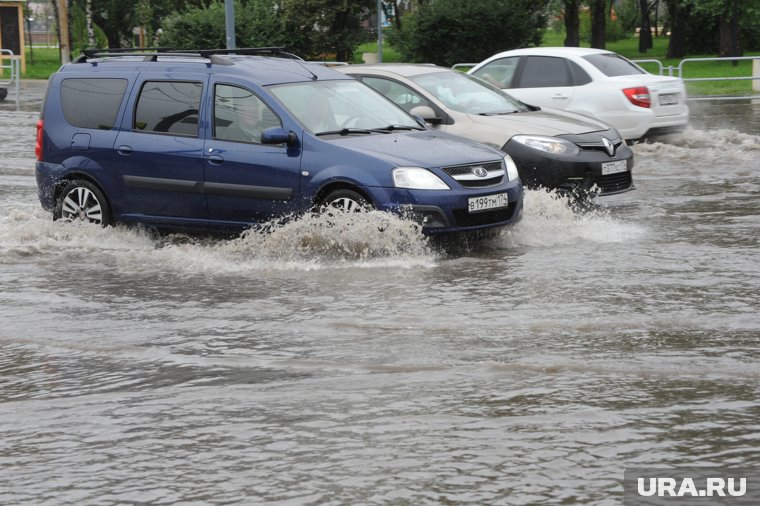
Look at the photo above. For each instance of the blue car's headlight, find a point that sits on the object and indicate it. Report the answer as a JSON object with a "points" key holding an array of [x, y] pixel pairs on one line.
{"points": [[551, 145], [416, 178], [511, 168]]}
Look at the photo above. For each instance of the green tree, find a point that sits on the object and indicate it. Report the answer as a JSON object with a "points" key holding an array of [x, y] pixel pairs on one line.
{"points": [[115, 18], [197, 28], [452, 31], [724, 27], [645, 32], [326, 28], [309, 28], [679, 15], [572, 19], [598, 23]]}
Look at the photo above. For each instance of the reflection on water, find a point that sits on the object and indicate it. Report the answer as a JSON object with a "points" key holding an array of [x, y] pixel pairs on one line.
{"points": [[348, 361]]}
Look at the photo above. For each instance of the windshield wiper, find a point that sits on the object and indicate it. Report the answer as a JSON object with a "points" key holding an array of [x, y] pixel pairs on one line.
{"points": [[347, 131], [499, 113], [391, 128]]}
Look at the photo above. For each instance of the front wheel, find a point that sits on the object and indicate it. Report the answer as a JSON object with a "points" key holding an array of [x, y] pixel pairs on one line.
{"points": [[345, 200], [82, 201]]}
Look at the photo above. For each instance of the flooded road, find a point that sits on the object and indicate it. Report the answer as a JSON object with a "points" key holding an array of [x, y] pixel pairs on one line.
{"points": [[302, 367]]}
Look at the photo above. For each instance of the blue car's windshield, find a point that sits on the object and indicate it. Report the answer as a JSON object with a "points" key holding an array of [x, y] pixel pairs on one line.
{"points": [[468, 94], [341, 105]]}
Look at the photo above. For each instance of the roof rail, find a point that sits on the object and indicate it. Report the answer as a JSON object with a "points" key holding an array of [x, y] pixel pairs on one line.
{"points": [[272, 51], [152, 53], [114, 51]]}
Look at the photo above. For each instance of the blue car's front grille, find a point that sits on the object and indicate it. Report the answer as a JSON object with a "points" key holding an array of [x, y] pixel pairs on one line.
{"points": [[477, 175]]}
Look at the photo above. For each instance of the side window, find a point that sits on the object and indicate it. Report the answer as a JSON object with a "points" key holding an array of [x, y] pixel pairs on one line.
{"points": [[545, 71], [499, 73], [92, 103], [239, 115], [580, 76], [169, 107], [401, 95]]}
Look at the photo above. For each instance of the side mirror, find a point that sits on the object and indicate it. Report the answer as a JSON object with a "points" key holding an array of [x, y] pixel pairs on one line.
{"points": [[426, 113], [278, 135]]}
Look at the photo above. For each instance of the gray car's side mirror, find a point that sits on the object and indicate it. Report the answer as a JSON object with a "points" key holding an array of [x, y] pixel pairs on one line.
{"points": [[427, 113]]}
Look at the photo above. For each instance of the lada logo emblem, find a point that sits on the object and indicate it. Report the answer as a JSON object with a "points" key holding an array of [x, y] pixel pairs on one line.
{"points": [[608, 146], [480, 171]]}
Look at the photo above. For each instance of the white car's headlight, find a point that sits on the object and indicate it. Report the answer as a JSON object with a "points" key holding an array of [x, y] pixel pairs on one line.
{"points": [[416, 178], [511, 168], [551, 145]]}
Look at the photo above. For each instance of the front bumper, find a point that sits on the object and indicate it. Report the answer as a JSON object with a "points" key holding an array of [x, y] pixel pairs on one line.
{"points": [[570, 173], [446, 212]]}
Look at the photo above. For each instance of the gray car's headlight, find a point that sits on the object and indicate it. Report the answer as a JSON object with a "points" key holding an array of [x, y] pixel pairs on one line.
{"points": [[551, 145], [416, 178], [511, 168]]}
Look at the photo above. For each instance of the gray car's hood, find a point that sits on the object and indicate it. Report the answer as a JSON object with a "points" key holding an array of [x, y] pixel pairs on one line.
{"points": [[549, 122]]}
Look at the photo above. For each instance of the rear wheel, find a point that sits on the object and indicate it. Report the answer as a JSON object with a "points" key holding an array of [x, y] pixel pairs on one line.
{"points": [[82, 201]]}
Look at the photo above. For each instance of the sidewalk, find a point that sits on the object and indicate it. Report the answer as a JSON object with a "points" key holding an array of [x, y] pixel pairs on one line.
{"points": [[31, 94]]}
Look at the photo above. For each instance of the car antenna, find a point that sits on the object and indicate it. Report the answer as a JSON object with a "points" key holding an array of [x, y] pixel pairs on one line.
{"points": [[313, 75]]}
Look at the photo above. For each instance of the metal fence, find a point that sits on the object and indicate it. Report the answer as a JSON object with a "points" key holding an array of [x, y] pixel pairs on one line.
{"points": [[12, 63], [670, 70]]}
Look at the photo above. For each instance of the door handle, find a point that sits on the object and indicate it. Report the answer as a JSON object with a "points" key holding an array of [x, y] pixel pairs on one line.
{"points": [[124, 150], [215, 159]]}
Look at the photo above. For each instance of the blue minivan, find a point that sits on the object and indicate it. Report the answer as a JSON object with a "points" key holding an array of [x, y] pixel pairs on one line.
{"points": [[211, 140]]}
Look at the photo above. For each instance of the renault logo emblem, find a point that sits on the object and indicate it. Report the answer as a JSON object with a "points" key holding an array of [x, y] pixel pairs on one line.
{"points": [[608, 146], [480, 171]]}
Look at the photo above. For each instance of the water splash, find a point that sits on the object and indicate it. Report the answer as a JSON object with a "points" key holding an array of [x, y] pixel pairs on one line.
{"points": [[551, 220], [371, 239], [719, 145], [318, 241]]}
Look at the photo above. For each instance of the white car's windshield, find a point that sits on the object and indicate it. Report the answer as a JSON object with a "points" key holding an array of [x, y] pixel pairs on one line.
{"points": [[468, 94], [342, 107]]}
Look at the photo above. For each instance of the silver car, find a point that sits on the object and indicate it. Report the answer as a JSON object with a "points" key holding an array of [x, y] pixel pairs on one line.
{"points": [[552, 149]]}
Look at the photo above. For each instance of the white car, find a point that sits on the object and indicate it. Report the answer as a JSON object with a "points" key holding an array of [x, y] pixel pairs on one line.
{"points": [[593, 82]]}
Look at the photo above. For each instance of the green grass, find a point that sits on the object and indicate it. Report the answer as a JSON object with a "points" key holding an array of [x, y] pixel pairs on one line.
{"points": [[47, 61], [390, 55]]}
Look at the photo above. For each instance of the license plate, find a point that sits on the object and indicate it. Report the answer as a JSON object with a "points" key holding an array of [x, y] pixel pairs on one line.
{"points": [[487, 202], [669, 99], [614, 167]]}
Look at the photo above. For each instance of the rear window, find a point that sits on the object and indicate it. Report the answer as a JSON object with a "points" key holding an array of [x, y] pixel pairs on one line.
{"points": [[613, 65], [169, 107], [92, 103]]}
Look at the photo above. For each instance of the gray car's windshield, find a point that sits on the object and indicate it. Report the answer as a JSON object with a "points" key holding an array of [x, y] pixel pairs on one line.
{"points": [[468, 94], [342, 107]]}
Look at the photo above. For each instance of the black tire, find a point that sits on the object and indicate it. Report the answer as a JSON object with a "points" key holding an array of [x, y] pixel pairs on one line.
{"points": [[82, 201], [345, 200]]}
